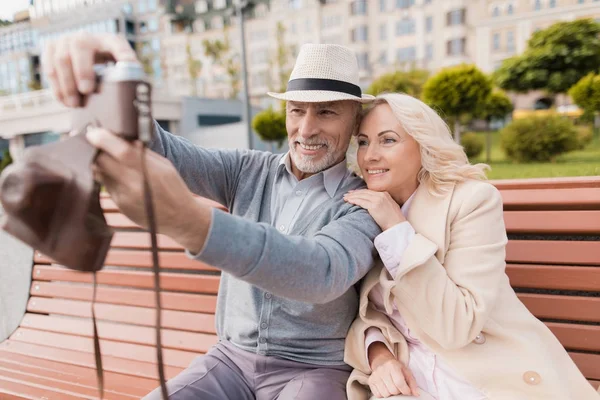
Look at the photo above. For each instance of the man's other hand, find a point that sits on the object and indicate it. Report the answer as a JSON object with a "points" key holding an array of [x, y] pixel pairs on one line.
{"points": [[68, 62], [177, 212]]}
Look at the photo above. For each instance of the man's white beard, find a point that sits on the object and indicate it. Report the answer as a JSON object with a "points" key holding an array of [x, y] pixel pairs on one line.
{"points": [[309, 165]]}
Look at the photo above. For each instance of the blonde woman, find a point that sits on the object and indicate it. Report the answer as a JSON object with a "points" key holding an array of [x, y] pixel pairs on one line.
{"points": [[438, 318]]}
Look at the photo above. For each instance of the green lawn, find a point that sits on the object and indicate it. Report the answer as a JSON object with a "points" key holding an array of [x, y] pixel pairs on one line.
{"points": [[577, 163]]}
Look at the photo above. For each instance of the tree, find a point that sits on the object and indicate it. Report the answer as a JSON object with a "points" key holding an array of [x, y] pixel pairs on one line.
{"points": [[556, 58], [220, 52], [586, 94], [281, 59], [4, 22], [410, 82], [270, 126], [457, 91], [194, 68], [496, 106], [6, 160]]}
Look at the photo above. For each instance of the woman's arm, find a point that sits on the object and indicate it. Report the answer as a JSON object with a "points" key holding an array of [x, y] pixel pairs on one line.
{"points": [[452, 302]]}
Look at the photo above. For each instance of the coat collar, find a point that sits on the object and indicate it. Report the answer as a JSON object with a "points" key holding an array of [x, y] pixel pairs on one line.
{"points": [[428, 215]]}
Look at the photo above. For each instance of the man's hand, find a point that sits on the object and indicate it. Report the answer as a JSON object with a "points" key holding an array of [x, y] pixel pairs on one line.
{"points": [[68, 62], [178, 214], [389, 377]]}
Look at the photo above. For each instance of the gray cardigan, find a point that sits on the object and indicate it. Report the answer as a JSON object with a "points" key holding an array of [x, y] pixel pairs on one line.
{"points": [[291, 296]]}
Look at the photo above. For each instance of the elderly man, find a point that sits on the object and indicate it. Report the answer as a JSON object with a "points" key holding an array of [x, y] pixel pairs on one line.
{"points": [[291, 250]]}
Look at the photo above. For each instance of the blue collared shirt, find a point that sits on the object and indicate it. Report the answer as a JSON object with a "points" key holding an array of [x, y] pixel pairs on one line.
{"points": [[292, 198]]}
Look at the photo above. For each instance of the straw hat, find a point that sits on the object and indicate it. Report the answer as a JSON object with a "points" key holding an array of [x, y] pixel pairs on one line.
{"points": [[324, 72]]}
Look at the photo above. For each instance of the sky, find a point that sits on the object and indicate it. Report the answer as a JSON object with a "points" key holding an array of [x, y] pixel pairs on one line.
{"points": [[9, 7]]}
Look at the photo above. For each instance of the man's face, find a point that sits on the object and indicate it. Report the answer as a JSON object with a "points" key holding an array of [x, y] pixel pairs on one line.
{"points": [[319, 133]]}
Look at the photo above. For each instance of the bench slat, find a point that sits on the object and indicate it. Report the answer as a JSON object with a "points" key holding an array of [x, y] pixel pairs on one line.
{"points": [[32, 391], [38, 374], [143, 259], [109, 363], [577, 337], [133, 352], [560, 222], [553, 277], [548, 183], [570, 308], [182, 320], [129, 297], [168, 280], [141, 240], [588, 364], [554, 199], [172, 339], [553, 252], [67, 387], [134, 385]]}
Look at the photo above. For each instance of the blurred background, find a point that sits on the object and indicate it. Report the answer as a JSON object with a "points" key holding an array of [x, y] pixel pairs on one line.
{"points": [[515, 79]]}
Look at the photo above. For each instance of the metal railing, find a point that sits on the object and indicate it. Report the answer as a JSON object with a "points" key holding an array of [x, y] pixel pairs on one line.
{"points": [[26, 101]]}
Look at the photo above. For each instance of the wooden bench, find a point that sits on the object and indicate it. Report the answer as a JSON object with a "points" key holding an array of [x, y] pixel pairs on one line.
{"points": [[553, 262]]}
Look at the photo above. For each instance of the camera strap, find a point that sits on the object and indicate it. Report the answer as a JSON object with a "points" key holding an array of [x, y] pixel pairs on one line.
{"points": [[148, 204]]}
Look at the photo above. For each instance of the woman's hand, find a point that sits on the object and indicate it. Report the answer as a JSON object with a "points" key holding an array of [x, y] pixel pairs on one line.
{"points": [[389, 377], [384, 210]]}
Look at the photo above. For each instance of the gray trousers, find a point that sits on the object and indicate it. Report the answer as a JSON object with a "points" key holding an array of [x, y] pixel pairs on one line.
{"points": [[229, 373]]}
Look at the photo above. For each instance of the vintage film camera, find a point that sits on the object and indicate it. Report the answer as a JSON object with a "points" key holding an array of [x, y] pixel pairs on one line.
{"points": [[50, 198]]}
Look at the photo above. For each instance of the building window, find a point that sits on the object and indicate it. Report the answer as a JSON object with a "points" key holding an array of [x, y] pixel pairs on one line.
{"points": [[537, 5], [403, 4], [363, 61], [429, 51], [152, 5], [405, 27], [496, 12], [217, 22], [456, 17], [383, 58], [382, 5], [428, 24], [427, 2], [406, 54], [496, 44], [383, 32], [552, 3], [142, 6], [153, 25], [359, 7], [456, 47], [219, 4], [201, 6], [510, 41], [360, 34], [581, 1], [510, 9]]}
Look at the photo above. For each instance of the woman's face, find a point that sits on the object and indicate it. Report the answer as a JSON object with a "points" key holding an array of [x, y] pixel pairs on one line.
{"points": [[388, 157]]}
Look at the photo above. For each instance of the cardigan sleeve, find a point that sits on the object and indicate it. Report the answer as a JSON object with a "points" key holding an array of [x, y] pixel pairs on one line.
{"points": [[451, 302]]}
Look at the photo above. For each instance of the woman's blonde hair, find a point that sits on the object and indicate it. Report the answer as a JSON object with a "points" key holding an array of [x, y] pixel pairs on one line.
{"points": [[443, 161]]}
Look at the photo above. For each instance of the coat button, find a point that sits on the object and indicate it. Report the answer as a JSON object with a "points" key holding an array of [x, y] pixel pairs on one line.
{"points": [[532, 378], [479, 339]]}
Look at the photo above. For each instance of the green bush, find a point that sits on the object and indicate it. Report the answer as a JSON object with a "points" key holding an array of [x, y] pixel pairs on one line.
{"points": [[6, 160], [585, 135], [473, 144], [539, 138], [270, 126]]}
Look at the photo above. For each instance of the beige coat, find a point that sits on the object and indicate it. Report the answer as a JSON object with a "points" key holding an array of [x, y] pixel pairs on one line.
{"points": [[452, 291]]}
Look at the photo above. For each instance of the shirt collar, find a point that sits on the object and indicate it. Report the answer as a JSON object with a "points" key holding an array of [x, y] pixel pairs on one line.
{"points": [[332, 177]]}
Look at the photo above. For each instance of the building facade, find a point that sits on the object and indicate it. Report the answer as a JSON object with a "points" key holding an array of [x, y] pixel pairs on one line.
{"points": [[170, 36]]}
